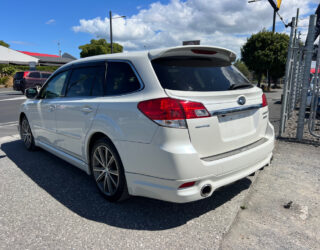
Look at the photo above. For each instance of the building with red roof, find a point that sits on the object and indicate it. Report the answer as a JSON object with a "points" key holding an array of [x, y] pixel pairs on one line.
{"points": [[50, 60]]}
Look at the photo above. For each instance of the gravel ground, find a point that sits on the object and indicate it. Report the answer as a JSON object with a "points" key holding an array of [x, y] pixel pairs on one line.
{"points": [[281, 210], [291, 129]]}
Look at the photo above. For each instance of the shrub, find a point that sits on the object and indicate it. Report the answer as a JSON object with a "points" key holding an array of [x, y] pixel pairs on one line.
{"points": [[8, 71], [3, 80]]}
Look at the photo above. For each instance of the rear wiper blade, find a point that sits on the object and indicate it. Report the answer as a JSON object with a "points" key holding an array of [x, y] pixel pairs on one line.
{"points": [[240, 86]]}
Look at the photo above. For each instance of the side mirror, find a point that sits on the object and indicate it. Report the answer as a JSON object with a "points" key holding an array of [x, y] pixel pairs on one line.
{"points": [[31, 93]]}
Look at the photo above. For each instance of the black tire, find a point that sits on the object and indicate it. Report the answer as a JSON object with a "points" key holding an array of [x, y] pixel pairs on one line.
{"points": [[26, 134], [107, 171]]}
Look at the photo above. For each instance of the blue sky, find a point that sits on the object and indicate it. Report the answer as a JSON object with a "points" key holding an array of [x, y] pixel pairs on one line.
{"points": [[27, 28], [37, 26]]}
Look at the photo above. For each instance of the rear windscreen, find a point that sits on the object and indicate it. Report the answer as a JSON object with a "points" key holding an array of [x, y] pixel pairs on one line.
{"points": [[18, 75], [198, 74]]}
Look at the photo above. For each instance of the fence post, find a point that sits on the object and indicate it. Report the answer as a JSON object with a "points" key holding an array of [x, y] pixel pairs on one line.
{"points": [[284, 114], [300, 72], [308, 50]]}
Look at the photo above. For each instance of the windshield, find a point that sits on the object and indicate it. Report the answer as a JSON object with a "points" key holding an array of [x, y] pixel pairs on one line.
{"points": [[198, 74]]}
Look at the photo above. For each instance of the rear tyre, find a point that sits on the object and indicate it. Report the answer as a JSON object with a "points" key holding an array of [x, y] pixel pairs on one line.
{"points": [[107, 171], [26, 134]]}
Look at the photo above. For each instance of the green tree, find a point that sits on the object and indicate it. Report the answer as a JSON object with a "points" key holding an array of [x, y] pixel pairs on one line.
{"points": [[99, 47], [242, 67], [2, 43], [266, 53]]}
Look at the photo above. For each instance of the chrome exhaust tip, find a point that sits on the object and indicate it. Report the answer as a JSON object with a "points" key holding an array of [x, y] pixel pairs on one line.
{"points": [[206, 190]]}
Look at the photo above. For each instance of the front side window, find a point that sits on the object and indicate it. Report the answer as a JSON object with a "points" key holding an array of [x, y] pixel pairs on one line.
{"points": [[121, 79], [198, 74], [54, 87], [86, 81]]}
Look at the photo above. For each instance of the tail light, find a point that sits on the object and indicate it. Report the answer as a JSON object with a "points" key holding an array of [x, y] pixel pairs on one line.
{"points": [[25, 74], [264, 100], [187, 184], [172, 113]]}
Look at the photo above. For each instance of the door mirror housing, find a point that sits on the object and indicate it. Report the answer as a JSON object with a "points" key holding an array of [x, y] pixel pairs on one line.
{"points": [[31, 93]]}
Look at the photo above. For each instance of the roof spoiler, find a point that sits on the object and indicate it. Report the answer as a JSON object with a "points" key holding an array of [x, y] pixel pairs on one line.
{"points": [[194, 50]]}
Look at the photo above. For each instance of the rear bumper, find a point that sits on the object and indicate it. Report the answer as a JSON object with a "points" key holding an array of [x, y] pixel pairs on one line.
{"points": [[16, 86], [189, 167]]}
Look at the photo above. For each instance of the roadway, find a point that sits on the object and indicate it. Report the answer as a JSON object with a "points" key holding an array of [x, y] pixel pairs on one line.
{"points": [[10, 101]]}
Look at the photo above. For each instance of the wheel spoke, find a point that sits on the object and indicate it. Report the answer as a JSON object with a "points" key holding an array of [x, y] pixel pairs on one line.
{"points": [[97, 169], [110, 188], [101, 156], [106, 155], [114, 172], [110, 162], [113, 181], [104, 183], [100, 176], [97, 158]]}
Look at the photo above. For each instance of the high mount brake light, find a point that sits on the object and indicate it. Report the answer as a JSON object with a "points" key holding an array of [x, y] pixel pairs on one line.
{"points": [[204, 52], [264, 100], [173, 113]]}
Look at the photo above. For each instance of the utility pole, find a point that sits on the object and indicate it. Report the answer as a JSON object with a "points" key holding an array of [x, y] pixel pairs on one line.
{"points": [[59, 48], [275, 9], [111, 42], [110, 19], [274, 21]]}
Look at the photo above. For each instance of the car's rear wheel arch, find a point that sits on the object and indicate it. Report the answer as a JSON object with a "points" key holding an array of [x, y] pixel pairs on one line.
{"points": [[93, 138]]}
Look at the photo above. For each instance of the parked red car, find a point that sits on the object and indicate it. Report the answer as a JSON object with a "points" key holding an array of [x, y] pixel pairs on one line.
{"points": [[28, 79]]}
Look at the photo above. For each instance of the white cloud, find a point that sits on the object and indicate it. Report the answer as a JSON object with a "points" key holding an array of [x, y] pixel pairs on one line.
{"points": [[224, 23], [51, 21]]}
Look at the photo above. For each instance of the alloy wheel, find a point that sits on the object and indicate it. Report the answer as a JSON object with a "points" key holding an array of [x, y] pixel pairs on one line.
{"points": [[105, 170], [26, 134]]}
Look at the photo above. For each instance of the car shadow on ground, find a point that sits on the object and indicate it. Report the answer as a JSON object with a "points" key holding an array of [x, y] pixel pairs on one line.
{"points": [[76, 190]]}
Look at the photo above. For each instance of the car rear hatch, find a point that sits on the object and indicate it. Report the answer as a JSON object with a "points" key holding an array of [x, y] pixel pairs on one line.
{"points": [[205, 75]]}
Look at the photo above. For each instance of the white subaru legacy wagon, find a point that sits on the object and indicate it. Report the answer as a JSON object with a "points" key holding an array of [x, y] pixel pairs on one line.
{"points": [[173, 124]]}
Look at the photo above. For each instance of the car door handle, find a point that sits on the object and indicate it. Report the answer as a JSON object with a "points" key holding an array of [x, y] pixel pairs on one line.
{"points": [[86, 109], [52, 108]]}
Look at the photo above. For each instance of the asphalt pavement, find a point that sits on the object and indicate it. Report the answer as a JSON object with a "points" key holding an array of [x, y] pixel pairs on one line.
{"points": [[47, 203], [10, 101]]}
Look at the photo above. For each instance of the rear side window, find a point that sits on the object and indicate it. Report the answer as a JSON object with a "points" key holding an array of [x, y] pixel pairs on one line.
{"points": [[18, 75], [121, 79], [198, 74], [86, 81], [34, 75], [45, 75]]}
